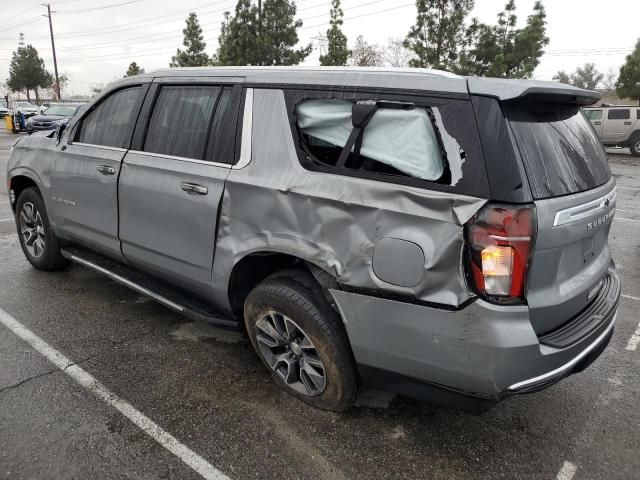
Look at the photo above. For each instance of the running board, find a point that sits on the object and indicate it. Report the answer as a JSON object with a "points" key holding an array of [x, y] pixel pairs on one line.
{"points": [[155, 289]]}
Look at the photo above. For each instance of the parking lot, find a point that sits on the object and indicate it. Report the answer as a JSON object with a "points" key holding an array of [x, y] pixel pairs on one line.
{"points": [[205, 389]]}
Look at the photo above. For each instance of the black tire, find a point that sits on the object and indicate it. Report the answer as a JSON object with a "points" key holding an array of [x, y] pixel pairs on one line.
{"points": [[634, 145], [31, 216], [296, 295]]}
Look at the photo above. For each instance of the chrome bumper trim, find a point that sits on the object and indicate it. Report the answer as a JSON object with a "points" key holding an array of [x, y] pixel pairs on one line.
{"points": [[572, 363]]}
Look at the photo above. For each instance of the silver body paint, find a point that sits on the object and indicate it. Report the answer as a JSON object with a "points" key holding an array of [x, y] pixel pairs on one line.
{"points": [[383, 240]]}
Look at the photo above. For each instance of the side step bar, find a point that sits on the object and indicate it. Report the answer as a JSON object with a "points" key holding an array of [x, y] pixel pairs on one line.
{"points": [[155, 289]]}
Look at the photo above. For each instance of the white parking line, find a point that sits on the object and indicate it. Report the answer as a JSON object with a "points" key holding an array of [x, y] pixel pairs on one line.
{"points": [[84, 379], [634, 341], [626, 188], [6, 220], [567, 471], [629, 297], [627, 219]]}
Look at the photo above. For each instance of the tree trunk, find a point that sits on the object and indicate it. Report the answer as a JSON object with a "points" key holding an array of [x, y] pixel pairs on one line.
{"points": [[28, 96], [37, 96]]}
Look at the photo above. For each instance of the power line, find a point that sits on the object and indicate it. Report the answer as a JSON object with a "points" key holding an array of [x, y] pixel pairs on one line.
{"points": [[21, 13], [104, 7]]}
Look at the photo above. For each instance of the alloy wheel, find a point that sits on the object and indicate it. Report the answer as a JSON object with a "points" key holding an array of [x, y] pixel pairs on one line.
{"points": [[32, 230], [291, 354], [636, 146]]}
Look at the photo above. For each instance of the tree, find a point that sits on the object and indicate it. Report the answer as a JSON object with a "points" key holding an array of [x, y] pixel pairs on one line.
{"points": [[438, 32], [134, 69], [52, 90], [628, 84], [609, 80], [395, 54], [97, 89], [365, 54], [27, 72], [251, 37], [584, 77], [337, 50], [238, 41], [279, 34], [502, 50], [194, 55]]}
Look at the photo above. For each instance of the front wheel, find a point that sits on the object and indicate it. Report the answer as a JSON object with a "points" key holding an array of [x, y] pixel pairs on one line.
{"points": [[301, 340], [635, 146], [39, 244]]}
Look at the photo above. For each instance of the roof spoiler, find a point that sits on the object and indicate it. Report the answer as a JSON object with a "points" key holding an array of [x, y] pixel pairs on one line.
{"points": [[531, 91]]}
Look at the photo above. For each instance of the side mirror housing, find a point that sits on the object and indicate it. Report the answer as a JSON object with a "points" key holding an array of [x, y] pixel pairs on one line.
{"points": [[60, 128]]}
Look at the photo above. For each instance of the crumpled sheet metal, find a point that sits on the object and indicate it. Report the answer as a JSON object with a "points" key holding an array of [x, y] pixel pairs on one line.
{"points": [[334, 221]]}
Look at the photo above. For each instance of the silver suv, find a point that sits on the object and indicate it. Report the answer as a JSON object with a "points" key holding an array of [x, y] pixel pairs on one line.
{"points": [[434, 235], [617, 125]]}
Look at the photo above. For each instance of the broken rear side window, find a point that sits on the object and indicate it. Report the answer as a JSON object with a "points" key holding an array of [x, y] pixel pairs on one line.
{"points": [[390, 138]]}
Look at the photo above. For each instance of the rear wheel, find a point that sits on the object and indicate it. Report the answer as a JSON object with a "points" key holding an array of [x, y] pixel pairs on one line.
{"points": [[634, 146], [301, 340], [39, 244]]}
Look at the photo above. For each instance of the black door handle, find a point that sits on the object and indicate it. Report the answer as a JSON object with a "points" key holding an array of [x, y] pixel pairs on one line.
{"points": [[597, 123], [194, 188], [106, 170], [627, 123]]}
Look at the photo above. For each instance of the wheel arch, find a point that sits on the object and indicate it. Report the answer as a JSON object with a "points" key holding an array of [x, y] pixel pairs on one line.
{"points": [[18, 182], [254, 267]]}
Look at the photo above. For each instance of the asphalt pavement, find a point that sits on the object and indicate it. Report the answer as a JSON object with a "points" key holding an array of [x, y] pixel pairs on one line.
{"points": [[205, 389]]}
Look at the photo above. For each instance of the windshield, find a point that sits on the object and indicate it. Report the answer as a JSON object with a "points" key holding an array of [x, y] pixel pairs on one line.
{"points": [[560, 150], [25, 105], [62, 110]]}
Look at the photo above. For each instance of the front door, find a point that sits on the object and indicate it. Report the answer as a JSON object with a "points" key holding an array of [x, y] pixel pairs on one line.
{"points": [[84, 183], [616, 126], [171, 188]]}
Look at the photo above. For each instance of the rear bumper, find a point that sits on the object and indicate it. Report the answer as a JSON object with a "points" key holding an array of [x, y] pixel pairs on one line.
{"points": [[468, 359]]}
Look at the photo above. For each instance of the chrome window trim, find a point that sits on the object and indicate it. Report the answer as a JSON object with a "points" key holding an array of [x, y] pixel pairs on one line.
{"points": [[247, 128], [566, 366], [579, 212], [104, 147], [181, 159]]}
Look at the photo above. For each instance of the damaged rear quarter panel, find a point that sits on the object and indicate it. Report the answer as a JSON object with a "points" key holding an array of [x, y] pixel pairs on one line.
{"points": [[333, 221]]}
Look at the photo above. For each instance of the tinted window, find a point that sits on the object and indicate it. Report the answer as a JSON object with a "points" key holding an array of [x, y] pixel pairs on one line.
{"points": [[619, 114], [561, 152], [593, 114], [111, 122], [181, 120], [638, 114]]}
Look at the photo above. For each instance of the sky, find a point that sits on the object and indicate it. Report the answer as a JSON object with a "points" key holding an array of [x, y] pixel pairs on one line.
{"points": [[97, 39]]}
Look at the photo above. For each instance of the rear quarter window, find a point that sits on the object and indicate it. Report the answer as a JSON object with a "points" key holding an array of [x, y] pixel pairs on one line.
{"points": [[411, 139], [560, 150]]}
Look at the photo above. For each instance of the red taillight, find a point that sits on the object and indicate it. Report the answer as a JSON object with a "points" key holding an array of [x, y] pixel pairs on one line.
{"points": [[500, 240]]}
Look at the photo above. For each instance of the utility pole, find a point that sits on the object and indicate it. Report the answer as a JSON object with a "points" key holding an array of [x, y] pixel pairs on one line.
{"points": [[260, 26], [53, 47]]}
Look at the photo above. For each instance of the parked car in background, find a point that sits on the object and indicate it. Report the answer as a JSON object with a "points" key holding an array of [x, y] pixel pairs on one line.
{"points": [[52, 117], [617, 125], [26, 108], [4, 111], [440, 236]]}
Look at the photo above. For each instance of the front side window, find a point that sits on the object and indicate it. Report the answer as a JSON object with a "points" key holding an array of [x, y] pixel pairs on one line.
{"points": [[181, 120], [619, 114], [111, 122], [383, 137]]}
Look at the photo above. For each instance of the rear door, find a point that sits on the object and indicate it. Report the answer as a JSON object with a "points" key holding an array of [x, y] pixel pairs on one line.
{"points": [[172, 184], [84, 182], [574, 196], [617, 125]]}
